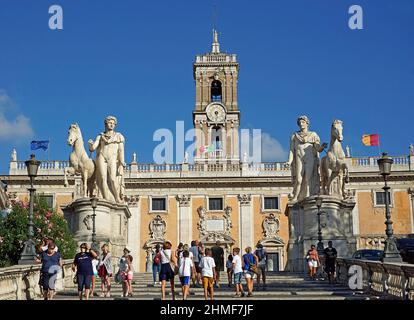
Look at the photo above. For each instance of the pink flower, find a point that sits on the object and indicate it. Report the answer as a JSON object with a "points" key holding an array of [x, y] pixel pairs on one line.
{"points": [[48, 214]]}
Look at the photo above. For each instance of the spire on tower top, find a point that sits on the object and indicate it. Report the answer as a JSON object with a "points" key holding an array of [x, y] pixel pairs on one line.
{"points": [[215, 48]]}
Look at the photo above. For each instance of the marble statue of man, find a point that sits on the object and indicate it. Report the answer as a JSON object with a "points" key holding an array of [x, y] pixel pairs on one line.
{"points": [[110, 163], [304, 161]]}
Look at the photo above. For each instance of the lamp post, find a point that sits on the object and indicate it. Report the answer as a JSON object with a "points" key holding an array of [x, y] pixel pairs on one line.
{"points": [[319, 247], [28, 254], [391, 253], [94, 203]]}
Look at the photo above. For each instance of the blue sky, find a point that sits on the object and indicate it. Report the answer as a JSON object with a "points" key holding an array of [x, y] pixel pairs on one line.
{"points": [[133, 59]]}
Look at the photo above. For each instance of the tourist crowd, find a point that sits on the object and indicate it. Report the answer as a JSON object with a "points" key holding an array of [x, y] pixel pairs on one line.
{"points": [[194, 265]]}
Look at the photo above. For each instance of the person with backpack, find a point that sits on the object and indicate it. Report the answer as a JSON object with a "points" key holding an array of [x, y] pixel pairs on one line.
{"points": [[156, 263], [250, 262], [261, 254], [196, 276]]}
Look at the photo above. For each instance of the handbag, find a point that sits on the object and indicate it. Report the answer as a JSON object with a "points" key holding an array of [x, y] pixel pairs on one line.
{"points": [[173, 266], [75, 278], [253, 268], [118, 277]]}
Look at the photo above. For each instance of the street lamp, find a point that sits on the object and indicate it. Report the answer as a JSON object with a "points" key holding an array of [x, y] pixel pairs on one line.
{"points": [[94, 203], [391, 253], [319, 247], [28, 254]]}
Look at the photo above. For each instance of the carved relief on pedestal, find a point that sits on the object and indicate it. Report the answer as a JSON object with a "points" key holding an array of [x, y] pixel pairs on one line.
{"points": [[157, 228], [183, 200], [88, 222], [244, 199]]}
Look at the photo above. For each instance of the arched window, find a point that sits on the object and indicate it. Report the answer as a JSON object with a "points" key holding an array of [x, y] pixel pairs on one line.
{"points": [[216, 138], [216, 91]]}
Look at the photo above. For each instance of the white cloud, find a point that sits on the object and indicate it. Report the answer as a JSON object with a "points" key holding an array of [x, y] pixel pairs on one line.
{"points": [[272, 150], [14, 129]]}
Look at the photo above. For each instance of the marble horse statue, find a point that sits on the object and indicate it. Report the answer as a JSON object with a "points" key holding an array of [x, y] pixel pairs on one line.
{"points": [[80, 163], [333, 165]]}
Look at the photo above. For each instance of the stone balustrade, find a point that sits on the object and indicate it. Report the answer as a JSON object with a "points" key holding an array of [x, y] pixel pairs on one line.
{"points": [[20, 282], [134, 170], [383, 280]]}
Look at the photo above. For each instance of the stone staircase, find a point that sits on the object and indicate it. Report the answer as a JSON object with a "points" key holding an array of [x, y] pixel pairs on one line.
{"points": [[280, 286]]}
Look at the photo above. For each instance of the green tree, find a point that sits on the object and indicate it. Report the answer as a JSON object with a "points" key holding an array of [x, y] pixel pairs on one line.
{"points": [[47, 223]]}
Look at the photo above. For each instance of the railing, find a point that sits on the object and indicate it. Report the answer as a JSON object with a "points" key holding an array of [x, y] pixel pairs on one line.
{"points": [[383, 280], [44, 165], [20, 282], [372, 161], [222, 57], [219, 165]]}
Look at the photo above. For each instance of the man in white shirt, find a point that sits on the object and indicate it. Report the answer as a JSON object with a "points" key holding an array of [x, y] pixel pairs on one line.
{"points": [[208, 274], [238, 273]]}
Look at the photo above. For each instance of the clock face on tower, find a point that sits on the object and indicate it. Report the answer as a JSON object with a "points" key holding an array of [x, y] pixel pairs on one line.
{"points": [[216, 112]]}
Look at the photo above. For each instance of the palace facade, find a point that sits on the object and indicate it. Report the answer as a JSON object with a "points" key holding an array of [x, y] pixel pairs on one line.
{"points": [[222, 196]]}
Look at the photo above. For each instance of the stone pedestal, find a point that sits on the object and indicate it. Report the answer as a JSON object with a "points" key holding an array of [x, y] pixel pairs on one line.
{"points": [[111, 223], [336, 223]]}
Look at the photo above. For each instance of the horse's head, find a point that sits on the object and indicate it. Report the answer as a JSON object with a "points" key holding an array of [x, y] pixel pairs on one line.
{"points": [[73, 134], [336, 130]]}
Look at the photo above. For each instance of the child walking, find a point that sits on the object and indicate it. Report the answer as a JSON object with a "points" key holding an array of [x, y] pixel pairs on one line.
{"points": [[238, 273], [208, 274]]}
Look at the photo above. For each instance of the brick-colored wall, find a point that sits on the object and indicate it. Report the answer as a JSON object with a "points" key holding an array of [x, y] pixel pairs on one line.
{"points": [[371, 219]]}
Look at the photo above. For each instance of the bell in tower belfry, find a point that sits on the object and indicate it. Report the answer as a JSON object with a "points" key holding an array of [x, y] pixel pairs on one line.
{"points": [[216, 115]]}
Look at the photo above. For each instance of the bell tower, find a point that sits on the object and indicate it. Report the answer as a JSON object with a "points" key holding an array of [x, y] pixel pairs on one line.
{"points": [[216, 115]]}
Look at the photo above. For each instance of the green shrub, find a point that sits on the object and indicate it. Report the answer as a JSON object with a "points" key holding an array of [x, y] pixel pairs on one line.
{"points": [[47, 223]]}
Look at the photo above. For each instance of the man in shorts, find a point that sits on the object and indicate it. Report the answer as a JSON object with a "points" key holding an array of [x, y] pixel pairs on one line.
{"points": [[208, 274], [238, 272]]}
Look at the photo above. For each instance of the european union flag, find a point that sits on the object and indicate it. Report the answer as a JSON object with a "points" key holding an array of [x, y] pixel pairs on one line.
{"points": [[39, 145]]}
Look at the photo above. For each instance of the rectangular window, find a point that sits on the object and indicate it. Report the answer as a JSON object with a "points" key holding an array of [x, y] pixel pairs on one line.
{"points": [[215, 204], [48, 200], [380, 198], [271, 203], [159, 204]]}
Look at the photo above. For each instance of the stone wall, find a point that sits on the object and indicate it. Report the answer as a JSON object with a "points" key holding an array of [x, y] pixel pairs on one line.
{"points": [[20, 282]]}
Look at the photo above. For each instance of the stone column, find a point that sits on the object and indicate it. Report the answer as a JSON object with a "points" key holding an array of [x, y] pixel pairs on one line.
{"points": [[134, 230], [411, 194], [245, 221], [184, 219]]}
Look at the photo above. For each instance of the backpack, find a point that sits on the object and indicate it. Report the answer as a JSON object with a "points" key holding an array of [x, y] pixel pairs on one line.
{"points": [[260, 254], [157, 258]]}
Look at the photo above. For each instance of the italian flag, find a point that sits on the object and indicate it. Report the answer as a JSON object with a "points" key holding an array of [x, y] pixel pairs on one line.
{"points": [[206, 149], [370, 139]]}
